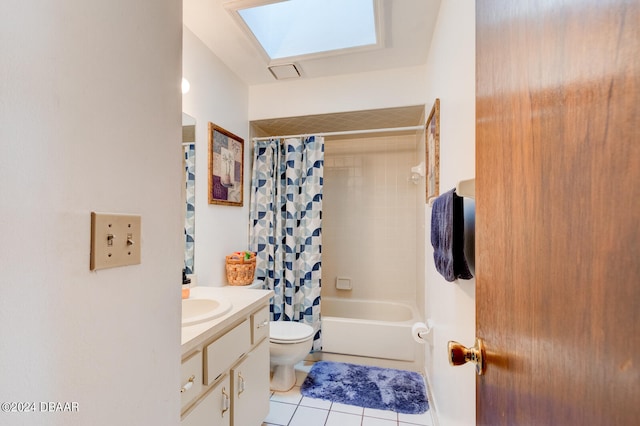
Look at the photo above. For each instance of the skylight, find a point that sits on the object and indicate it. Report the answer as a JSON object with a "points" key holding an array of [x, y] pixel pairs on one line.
{"points": [[294, 28]]}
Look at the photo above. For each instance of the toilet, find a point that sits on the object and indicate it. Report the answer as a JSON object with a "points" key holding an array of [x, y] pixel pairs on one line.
{"points": [[289, 343]]}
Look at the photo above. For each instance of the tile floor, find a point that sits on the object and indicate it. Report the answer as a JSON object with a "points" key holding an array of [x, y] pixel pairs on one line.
{"points": [[292, 409]]}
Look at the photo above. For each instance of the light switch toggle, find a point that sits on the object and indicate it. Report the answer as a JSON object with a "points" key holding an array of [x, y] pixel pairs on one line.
{"points": [[129, 239], [110, 238]]}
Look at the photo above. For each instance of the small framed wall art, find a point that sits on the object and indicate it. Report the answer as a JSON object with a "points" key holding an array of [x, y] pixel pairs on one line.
{"points": [[226, 166], [433, 151]]}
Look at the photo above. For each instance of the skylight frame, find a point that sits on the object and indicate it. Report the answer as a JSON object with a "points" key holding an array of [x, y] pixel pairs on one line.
{"points": [[234, 6]]}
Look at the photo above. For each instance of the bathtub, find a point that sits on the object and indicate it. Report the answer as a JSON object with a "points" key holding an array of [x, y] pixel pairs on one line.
{"points": [[375, 329]]}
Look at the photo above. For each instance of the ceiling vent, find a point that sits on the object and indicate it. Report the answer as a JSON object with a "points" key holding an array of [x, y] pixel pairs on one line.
{"points": [[285, 71]]}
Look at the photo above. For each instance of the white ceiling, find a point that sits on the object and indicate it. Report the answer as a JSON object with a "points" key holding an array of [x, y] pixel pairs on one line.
{"points": [[408, 26]]}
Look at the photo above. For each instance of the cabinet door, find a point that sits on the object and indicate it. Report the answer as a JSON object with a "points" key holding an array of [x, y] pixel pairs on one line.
{"points": [[250, 386], [214, 409]]}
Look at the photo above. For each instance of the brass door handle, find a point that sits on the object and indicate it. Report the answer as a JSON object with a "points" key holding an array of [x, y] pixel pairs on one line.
{"points": [[459, 354]]}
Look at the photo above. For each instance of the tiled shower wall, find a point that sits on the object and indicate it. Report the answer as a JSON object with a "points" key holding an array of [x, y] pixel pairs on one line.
{"points": [[369, 217]]}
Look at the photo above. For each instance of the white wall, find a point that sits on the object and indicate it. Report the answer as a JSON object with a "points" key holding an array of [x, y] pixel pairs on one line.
{"points": [[217, 95], [89, 118], [451, 77], [351, 92]]}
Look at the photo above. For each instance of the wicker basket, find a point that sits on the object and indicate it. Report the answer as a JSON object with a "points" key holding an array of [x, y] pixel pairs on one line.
{"points": [[240, 271]]}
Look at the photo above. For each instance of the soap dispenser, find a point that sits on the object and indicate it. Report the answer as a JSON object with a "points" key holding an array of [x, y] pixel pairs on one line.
{"points": [[186, 285]]}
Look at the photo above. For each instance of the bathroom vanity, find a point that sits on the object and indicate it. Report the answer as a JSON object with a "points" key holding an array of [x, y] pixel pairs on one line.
{"points": [[225, 360]]}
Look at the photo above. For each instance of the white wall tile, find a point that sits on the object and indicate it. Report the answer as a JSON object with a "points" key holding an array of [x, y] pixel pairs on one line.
{"points": [[370, 220]]}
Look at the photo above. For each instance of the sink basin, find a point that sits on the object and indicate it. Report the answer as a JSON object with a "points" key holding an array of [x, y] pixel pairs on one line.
{"points": [[199, 310]]}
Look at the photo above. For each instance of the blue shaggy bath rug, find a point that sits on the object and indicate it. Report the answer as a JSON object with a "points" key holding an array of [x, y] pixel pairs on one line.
{"points": [[370, 387]]}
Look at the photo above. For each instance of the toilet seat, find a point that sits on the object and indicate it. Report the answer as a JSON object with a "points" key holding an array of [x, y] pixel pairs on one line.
{"points": [[289, 332]]}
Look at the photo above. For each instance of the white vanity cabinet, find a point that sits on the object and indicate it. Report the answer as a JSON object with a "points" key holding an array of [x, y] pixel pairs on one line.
{"points": [[225, 374]]}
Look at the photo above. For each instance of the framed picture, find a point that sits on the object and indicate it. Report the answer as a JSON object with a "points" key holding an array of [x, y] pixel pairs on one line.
{"points": [[226, 166], [433, 151]]}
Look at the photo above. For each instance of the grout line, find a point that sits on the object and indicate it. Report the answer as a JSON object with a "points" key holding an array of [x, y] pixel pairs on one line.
{"points": [[293, 414]]}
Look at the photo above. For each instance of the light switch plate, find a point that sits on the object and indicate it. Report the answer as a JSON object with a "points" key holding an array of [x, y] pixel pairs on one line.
{"points": [[115, 240]]}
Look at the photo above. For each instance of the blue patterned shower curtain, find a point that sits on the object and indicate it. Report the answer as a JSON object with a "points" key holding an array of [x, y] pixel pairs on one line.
{"points": [[190, 202], [286, 215]]}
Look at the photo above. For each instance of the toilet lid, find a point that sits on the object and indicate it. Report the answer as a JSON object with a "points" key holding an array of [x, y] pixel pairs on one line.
{"points": [[289, 331]]}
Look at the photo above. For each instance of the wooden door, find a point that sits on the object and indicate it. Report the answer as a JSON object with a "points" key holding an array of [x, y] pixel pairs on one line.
{"points": [[558, 211]]}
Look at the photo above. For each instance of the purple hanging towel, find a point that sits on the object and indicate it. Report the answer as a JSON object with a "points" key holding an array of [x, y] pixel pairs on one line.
{"points": [[447, 236]]}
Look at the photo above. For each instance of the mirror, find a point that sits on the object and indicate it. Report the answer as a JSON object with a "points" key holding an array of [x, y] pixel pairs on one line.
{"points": [[189, 188]]}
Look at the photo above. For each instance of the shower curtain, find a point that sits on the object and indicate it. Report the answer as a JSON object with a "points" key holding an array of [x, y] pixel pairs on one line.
{"points": [[190, 201], [285, 231]]}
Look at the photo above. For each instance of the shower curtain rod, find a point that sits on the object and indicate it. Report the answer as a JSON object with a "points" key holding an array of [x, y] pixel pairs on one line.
{"points": [[346, 132]]}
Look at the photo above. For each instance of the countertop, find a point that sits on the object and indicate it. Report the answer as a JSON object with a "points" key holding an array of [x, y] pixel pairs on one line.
{"points": [[243, 301]]}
